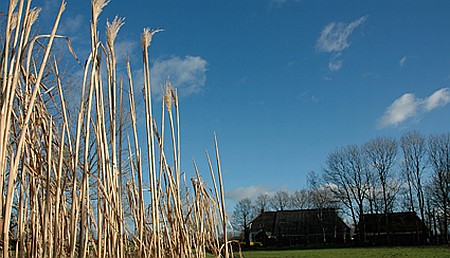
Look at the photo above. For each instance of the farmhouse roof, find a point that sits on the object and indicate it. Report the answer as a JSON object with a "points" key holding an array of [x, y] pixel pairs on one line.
{"points": [[398, 222], [295, 222]]}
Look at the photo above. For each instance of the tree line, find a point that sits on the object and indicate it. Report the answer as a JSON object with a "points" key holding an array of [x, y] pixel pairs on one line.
{"points": [[381, 176]]}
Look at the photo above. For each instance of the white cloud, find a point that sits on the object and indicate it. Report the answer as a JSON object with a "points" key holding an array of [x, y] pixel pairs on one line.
{"points": [[334, 37], [403, 61], [187, 74], [402, 109], [409, 106], [247, 192], [438, 99]]}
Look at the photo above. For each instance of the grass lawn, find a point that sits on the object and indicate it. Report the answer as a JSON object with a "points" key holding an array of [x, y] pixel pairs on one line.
{"points": [[379, 252]]}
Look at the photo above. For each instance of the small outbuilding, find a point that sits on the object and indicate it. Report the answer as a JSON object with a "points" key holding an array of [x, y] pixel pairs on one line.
{"points": [[399, 228]]}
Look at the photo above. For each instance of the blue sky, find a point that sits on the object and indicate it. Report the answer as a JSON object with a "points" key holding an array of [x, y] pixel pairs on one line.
{"points": [[285, 82]]}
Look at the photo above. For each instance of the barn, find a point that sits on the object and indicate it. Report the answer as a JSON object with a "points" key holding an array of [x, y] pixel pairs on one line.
{"points": [[300, 227], [398, 228]]}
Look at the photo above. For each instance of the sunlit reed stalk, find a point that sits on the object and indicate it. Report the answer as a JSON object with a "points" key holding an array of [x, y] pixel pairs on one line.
{"points": [[111, 34], [146, 39], [222, 198], [141, 209], [47, 246]]}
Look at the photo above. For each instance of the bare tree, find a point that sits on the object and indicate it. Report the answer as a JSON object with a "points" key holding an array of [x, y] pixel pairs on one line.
{"points": [[439, 153], [414, 161], [280, 200], [346, 171], [242, 217], [301, 199], [381, 153], [430, 194], [262, 202], [321, 194], [374, 196], [322, 197]]}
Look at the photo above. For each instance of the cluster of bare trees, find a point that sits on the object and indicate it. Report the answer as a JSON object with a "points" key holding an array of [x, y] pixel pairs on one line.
{"points": [[383, 175], [387, 175]]}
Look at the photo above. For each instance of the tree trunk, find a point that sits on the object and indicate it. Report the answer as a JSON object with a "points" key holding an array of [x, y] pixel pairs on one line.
{"points": [[247, 236]]}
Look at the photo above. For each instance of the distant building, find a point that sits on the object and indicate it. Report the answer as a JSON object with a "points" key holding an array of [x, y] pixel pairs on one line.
{"points": [[399, 228], [299, 227]]}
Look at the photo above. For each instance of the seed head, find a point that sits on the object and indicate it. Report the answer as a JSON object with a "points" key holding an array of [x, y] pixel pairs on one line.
{"points": [[97, 7], [14, 4], [147, 36], [168, 96], [33, 15], [14, 21], [112, 30]]}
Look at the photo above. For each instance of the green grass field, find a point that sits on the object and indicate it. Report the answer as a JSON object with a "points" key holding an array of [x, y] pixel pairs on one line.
{"points": [[380, 252]]}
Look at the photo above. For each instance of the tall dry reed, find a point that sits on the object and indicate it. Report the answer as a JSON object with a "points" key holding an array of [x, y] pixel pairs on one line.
{"points": [[77, 188]]}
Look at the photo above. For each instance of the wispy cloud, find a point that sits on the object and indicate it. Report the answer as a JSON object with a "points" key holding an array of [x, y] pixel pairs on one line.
{"points": [[71, 25], [308, 97], [335, 65], [125, 48], [402, 61], [409, 106], [187, 74], [247, 192], [334, 39]]}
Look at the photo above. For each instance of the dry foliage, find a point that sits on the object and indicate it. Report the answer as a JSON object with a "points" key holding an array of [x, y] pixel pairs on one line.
{"points": [[76, 188]]}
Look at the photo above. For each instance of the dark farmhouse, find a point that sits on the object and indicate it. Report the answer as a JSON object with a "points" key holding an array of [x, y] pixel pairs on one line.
{"points": [[400, 228], [299, 227]]}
